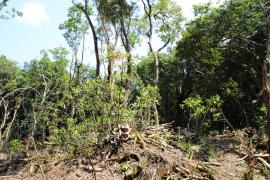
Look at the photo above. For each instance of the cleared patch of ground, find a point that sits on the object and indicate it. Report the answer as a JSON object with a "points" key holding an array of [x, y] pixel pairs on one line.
{"points": [[149, 154]]}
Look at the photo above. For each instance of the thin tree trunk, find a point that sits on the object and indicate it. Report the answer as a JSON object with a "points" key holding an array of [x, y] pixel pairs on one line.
{"points": [[148, 12], [156, 114], [156, 68], [268, 84], [95, 44], [110, 70], [125, 38], [85, 11]]}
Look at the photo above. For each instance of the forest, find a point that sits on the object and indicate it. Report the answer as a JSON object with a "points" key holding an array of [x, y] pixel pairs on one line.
{"points": [[195, 105]]}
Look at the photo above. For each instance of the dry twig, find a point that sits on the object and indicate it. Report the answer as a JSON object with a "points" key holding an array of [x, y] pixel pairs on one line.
{"points": [[266, 164]]}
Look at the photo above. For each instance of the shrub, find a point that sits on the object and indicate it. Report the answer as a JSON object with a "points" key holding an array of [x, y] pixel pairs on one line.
{"points": [[202, 113]]}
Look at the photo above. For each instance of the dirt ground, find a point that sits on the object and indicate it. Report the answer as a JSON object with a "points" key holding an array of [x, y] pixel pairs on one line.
{"points": [[134, 160]]}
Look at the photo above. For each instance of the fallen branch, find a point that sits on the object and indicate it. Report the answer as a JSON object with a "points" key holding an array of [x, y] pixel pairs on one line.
{"points": [[255, 155], [209, 170], [262, 155], [187, 171], [263, 162], [243, 158], [90, 168], [198, 177], [212, 163], [141, 139]]}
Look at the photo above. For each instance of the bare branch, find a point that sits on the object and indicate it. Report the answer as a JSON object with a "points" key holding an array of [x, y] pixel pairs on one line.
{"points": [[150, 47], [164, 45], [263, 162]]}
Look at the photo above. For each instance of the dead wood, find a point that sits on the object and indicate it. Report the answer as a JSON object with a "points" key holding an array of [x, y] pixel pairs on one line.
{"points": [[212, 163], [91, 169], [266, 164], [262, 155]]}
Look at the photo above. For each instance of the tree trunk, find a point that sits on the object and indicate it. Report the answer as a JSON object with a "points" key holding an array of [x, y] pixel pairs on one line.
{"points": [[84, 9], [156, 68], [110, 71], [125, 38], [156, 79], [267, 104], [266, 70], [156, 114], [110, 61], [266, 84], [95, 44]]}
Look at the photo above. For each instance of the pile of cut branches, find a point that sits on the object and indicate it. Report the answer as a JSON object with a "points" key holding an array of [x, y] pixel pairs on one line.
{"points": [[149, 153]]}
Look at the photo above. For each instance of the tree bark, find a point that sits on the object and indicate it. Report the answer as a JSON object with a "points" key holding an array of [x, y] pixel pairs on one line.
{"points": [[95, 44], [266, 86], [125, 38], [266, 70], [156, 68], [94, 34]]}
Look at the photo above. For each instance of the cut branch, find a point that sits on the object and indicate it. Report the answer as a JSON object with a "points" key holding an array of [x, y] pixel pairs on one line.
{"points": [[264, 162]]}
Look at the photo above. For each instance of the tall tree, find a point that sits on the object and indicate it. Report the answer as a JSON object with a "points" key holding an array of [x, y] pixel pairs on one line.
{"points": [[87, 10], [265, 5], [110, 29], [75, 29], [164, 19], [225, 58], [125, 13]]}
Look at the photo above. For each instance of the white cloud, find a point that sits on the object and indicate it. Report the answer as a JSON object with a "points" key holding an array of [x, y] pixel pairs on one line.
{"points": [[187, 6], [34, 14]]}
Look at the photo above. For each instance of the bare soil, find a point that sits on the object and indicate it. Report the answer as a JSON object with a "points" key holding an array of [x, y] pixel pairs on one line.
{"points": [[136, 160]]}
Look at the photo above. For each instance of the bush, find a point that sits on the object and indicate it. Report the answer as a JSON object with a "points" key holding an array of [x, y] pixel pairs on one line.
{"points": [[15, 146], [99, 108], [202, 113]]}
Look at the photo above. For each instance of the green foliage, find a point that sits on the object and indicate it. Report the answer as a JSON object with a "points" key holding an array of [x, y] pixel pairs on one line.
{"points": [[15, 146], [144, 104], [110, 10], [215, 57], [208, 150], [50, 94], [262, 171], [11, 13], [182, 142], [261, 117], [169, 83], [125, 166], [203, 113], [166, 20], [75, 27], [99, 108], [75, 137], [10, 75]]}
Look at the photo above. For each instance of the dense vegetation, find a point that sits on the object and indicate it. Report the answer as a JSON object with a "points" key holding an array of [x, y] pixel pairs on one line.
{"points": [[209, 74]]}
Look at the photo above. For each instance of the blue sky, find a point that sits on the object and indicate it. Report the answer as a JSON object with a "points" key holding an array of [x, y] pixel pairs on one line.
{"points": [[22, 39]]}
